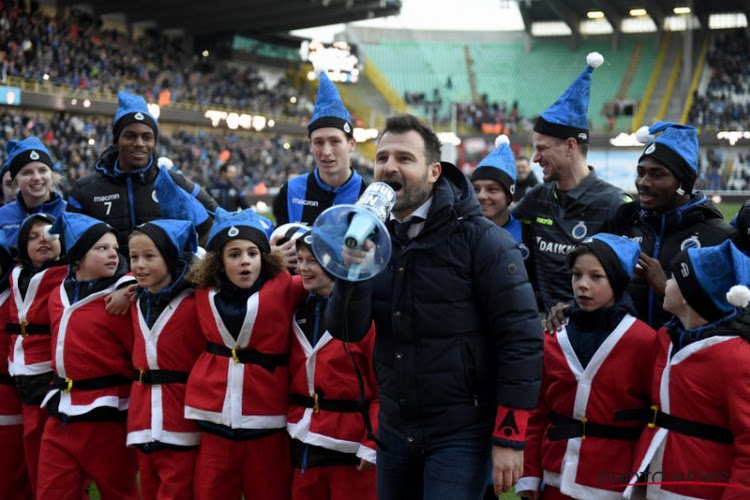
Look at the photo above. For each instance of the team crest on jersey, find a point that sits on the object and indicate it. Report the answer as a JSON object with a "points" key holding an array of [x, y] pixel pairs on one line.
{"points": [[524, 251], [650, 149], [579, 231], [684, 270], [233, 231], [138, 116], [33, 155], [691, 242]]}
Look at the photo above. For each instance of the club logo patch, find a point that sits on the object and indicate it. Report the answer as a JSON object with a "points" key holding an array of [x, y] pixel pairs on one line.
{"points": [[524, 251], [512, 189], [691, 242], [579, 231], [34, 155], [233, 231], [138, 116], [650, 149], [153, 196], [347, 128]]}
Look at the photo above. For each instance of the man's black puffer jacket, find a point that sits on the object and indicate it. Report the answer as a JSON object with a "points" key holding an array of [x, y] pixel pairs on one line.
{"points": [[457, 331]]}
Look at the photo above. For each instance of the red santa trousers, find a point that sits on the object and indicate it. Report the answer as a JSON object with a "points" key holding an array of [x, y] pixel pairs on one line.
{"points": [[339, 482], [167, 474], [258, 468], [34, 418], [73, 452], [15, 484]]}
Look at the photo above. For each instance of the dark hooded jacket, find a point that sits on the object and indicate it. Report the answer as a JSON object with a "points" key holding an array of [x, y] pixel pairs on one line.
{"points": [[456, 322], [698, 223], [124, 200]]}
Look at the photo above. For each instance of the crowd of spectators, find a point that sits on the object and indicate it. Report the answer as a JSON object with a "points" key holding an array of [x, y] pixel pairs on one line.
{"points": [[487, 116], [725, 105], [77, 141], [493, 114], [73, 49]]}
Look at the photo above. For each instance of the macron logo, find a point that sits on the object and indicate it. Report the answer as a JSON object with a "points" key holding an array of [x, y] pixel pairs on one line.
{"points": [[301, 201], [107, 197]]}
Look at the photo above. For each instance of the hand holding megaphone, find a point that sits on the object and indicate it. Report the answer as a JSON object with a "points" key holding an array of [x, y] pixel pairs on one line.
{"points": [[351, 242]]}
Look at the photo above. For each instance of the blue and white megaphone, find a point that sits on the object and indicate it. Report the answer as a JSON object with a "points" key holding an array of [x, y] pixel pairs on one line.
{"points": [[349, 227]]}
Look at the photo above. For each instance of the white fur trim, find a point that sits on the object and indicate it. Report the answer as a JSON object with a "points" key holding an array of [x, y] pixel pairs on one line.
{"points": [[594, 59], [739, 296], [366, 453], [501, 139], [163, 161], [50, 236], [178, 438], [643, 136], [11, 420], [528, 483]]}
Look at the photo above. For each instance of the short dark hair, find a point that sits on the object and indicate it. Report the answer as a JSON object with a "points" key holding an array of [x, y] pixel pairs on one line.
{"points": [[403, 123], [574, 253]]}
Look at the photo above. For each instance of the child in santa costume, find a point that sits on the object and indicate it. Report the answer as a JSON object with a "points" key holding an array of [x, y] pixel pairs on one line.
{"points": [[37, 276], [84, 439], [698, 441], [168, 341], [600, 362], [15, 484], [238, 389], [332, 455]]}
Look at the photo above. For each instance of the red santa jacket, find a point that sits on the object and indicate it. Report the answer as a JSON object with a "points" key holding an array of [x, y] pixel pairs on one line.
{"points": [[157, 411], [89, 343], [618, 376], [31, 354], [10, 403], [326, 372], [707, 381], [245, 395]]}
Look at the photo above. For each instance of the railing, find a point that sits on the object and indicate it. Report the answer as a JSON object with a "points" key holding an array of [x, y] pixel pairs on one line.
{"points": [[51, 88], [696, 79], [676, 66], [640, 114]]}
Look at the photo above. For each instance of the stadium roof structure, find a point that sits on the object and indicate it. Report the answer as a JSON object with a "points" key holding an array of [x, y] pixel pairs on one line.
{"points": [[572, 12], [259, 17]]}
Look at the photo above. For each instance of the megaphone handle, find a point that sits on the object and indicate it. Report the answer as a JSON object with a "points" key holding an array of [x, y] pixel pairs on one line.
{"points": [[354, 272]]}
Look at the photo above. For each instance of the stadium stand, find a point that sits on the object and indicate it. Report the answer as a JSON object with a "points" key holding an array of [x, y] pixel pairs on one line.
{"points": [[725, 102], [504, 71], [74, 51]]}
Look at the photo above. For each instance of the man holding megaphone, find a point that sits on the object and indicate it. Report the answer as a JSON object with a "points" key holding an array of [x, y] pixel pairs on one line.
{"points": [[458, 345]]}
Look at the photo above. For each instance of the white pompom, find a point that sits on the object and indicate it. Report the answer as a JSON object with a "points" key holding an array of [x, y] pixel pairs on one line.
{"points": [[501, 139], [739, 296], [594, 59], [643, 136], [163, 161], [50, 236]]}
